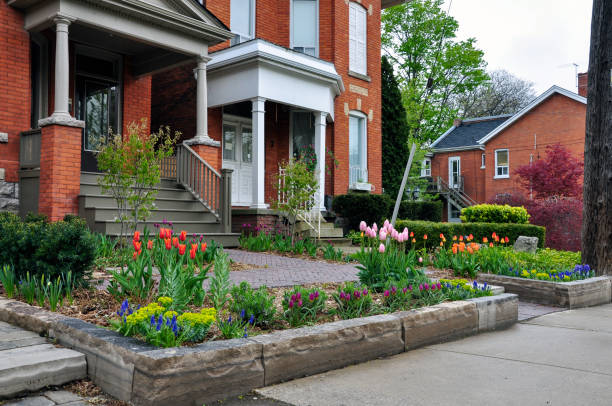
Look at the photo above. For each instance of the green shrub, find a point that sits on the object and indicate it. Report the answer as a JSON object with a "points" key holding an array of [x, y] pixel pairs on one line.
{"points": [[419, 210], [51, 249], [355, 207], [494, 213], [253, 302], [478, 230]]}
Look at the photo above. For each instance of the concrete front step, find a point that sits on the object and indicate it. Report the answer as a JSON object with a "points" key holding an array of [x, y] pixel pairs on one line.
{"points": [[92, 178], [110, 227], [156, 215], [169, 192], [34, 367], [326, 233], [187, 203]]}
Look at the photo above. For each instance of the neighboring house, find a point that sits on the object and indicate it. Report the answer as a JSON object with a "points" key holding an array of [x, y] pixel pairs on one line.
{"points": [[474, 161], [249, 83]]}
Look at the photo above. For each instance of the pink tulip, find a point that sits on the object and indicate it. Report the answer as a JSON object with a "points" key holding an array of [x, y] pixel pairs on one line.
{"points": [[381, 248], [394, 234], [386, 224], [420, 260], [383, 235], [362, 226], [368, 231], [375, 227]]}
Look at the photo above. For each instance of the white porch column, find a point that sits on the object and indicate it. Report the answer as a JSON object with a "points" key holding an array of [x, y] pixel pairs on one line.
{"points": [[259, 157], [201, 136], [320, 124], [61, 111]]}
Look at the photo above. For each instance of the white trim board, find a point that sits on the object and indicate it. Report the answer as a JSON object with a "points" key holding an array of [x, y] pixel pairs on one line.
{"points": [[537, 101]]}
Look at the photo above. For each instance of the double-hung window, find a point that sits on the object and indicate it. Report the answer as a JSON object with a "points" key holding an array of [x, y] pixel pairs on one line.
{"points": [[358, 148], [242, 20], [426, 167], [305, 26], [357, 39], [482, 161], [502, 163]]}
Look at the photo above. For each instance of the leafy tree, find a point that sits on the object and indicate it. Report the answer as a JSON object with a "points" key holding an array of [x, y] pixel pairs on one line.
{"points": [[394, 131], [504, 93], [558, 174], [131, 167], [597, 224], [432, 66]]}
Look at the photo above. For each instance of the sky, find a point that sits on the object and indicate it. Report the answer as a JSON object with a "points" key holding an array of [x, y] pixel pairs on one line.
{"points": [[536, 40]]}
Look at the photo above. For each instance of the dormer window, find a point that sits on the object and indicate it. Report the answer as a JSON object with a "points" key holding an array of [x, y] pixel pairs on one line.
{"points": [[305, 26], [242, 20]]}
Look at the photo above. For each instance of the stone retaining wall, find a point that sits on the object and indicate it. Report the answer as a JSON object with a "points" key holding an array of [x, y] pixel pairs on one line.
{"points": [[133, 371], [575, 294], [9, 196]]}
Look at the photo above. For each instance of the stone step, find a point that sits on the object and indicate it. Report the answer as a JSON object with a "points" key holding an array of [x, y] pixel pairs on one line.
{"points": [[326, 233], [15, 337], [156, 215], [175, 192], [186, 203], [34, 367], [92, 178]]}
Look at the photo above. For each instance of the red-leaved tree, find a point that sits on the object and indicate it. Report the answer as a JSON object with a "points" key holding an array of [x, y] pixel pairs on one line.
{"points": [[559, 174]]}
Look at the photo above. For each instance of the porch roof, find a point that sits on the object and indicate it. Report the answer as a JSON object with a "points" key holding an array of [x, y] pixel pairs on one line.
{"points": [[258, 68], [179, 27]]}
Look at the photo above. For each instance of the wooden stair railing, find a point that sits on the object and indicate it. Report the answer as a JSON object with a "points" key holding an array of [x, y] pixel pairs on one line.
{"points": [[208, 186], [456, 194]]}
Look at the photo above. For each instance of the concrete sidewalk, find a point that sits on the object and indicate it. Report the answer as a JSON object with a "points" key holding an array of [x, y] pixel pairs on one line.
{"points": [[562, 358]]}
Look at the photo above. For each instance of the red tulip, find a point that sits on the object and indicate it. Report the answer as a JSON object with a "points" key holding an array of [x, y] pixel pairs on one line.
{"points": [[183, 235], [203, 247], [175, 242], [194, 247], [192, 253], [135, 255], [137, 245], [136, 235], [168, 243], [150, 244]]}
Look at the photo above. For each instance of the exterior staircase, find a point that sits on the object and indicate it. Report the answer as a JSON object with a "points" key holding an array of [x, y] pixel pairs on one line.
{"points": [[455, 195], [173, 203]]}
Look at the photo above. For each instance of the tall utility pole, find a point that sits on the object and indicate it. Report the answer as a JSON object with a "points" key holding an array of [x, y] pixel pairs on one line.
{"points": [[597, 211]]}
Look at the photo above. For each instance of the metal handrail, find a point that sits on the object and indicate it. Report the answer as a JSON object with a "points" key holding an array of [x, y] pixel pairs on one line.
{"points": [[459, 194], [200, 179]]}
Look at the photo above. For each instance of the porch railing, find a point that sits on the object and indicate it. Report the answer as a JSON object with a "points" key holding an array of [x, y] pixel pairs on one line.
{"points": [[455, 192], [29, 149], [168, 167], [357, 174], [207, 185], [310, 210]]}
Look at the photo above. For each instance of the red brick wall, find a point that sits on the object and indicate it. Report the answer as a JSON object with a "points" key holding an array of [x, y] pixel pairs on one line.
{"points": [[136, 98], [60, 168], [559, 119], [14, 86], [174, 92], [474, 185], [583, 79]]}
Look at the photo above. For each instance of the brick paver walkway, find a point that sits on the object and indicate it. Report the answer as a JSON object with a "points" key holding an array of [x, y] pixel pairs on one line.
{"points": [[285, 271]]}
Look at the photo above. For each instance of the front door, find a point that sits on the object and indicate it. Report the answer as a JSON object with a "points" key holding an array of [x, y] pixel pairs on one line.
{"points": [[302, 133], [238, 156], [97, 93], [454, 172]]}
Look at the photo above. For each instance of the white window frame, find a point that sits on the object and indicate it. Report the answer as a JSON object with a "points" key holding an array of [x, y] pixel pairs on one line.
{"points": [[483, 160], [239, 36], [450, 171], [425, 168], [356, 9], [364, 152], [291, 43], [507, 174]]}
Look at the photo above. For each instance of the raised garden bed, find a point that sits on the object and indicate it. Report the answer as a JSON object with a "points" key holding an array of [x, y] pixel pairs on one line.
{"points": [[575, 294], [133, 371]]}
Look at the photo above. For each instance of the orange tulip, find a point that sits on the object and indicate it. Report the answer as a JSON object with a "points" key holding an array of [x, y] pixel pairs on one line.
{"points": [[203, 247], [485, 240], [460, 238], [454, 248], [413, 240], [441, 236], [168, 243], [150, 244], [470, 237], [411, 234], [425, 237], [454, 238], [182, 248], [175, 242], [441, 244], [183, 235], [490, 244], [192, 253], [136, 235], [470, 250], [194, 247]]}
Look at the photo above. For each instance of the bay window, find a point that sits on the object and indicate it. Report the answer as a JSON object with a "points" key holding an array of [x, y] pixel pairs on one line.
{"points": [[358, 148], [305, 26], [357, 39]]}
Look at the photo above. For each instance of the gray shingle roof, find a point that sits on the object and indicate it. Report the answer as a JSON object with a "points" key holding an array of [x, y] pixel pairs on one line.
{"points": [[470, 131]]}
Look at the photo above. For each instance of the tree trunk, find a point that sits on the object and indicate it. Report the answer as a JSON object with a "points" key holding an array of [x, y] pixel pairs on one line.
{"points": [[597, 211]]}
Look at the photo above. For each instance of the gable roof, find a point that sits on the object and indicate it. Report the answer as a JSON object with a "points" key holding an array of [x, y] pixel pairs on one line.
{"points": [[467, 134], [537, 101]]}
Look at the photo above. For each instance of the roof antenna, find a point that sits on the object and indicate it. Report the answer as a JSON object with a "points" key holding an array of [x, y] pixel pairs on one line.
{"points": [[575, 65]]}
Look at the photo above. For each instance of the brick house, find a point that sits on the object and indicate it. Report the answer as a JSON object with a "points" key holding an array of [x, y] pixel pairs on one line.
{"points": [[249, 83], [474, 160]]}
